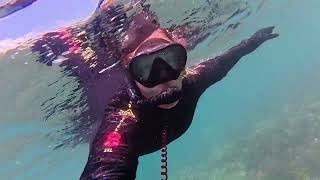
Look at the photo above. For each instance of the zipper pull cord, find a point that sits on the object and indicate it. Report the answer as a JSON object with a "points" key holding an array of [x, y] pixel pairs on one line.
{"points": [[164, 157]]}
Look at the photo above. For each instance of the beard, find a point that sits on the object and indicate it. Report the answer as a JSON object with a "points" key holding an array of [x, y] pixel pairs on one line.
{"points": [[168, 96]]}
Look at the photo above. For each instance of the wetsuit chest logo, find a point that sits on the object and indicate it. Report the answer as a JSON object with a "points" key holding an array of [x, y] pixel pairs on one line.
{"points": [[113, 139]]}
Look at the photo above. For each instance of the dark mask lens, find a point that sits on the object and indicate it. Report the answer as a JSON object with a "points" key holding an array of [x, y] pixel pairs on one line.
{"points": [[159, 67], [175, 56], [161, 72], [141, 66]]}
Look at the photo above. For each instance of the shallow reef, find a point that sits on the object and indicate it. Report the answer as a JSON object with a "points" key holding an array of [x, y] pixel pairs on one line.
{"points": [[283, 147]]}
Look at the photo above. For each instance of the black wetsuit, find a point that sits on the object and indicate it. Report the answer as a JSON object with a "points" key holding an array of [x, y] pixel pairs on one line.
{"points": [[142, 134]]}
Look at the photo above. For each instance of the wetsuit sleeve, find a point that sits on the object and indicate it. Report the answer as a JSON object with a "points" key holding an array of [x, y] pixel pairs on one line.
{"points": [[205, 74], [111, 157]]}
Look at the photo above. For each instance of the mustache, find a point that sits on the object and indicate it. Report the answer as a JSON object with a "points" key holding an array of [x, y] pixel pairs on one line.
{"points": [[166, 97]]}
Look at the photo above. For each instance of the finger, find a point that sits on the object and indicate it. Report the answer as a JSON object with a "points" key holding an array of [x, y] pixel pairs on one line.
{"points": [[271, 36], [268, 30]]}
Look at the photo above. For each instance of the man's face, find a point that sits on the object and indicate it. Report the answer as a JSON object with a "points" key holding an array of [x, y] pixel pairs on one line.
{"points": [[156, 90]]}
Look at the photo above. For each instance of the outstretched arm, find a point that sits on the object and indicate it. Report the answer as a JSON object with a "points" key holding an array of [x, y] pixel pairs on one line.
{"points": [[209, 72], [112, 155]]}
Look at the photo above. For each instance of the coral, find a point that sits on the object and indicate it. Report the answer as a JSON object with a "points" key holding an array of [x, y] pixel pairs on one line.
{"points": [[283, 147]]}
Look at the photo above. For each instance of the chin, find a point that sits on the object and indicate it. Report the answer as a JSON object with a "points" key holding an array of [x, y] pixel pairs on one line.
{"points": [[168, 106]]}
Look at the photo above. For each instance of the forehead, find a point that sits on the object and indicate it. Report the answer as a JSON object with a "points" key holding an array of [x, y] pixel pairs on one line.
{"points": [[158, 34], [151, 43], [132, 40]]}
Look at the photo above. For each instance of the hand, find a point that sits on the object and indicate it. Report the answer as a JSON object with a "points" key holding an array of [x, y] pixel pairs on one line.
{"points": [[263, 35]]}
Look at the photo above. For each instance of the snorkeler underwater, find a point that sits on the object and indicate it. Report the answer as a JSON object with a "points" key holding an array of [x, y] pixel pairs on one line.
{"points": [[127, 82]]}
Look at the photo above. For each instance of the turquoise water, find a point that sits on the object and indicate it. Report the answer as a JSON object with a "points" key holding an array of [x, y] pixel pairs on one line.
{"points": [[258, 96], [261, 122]]}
